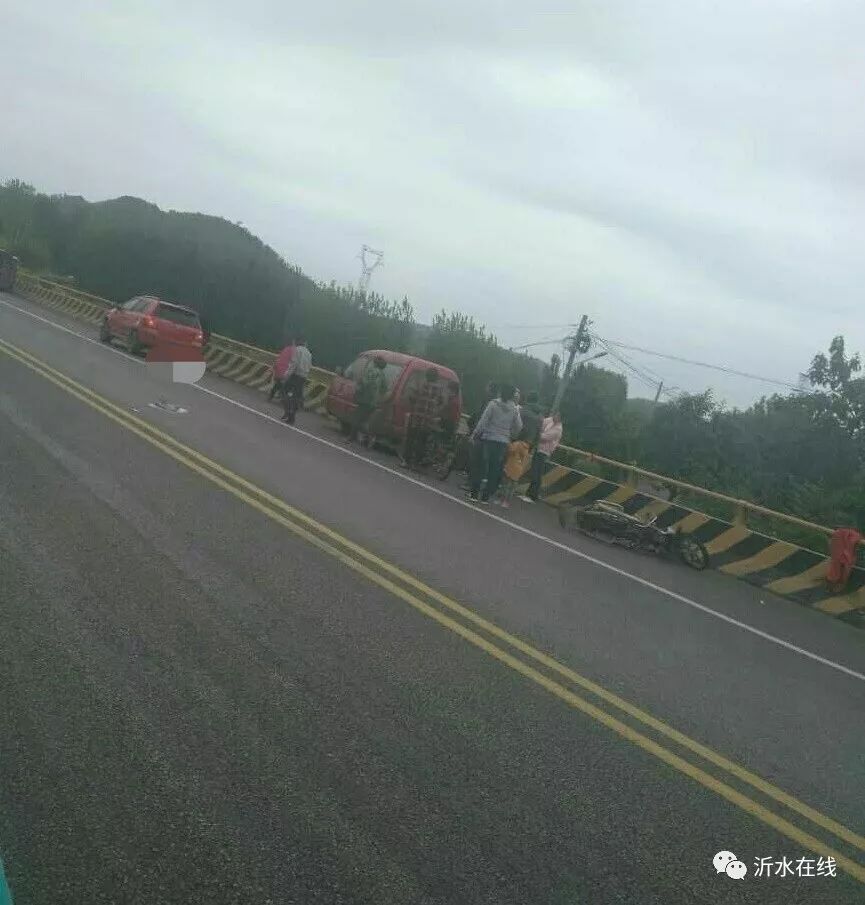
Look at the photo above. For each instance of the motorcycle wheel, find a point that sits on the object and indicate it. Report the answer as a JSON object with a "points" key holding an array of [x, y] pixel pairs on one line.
{"points": [[693, 553], [567, 518]]}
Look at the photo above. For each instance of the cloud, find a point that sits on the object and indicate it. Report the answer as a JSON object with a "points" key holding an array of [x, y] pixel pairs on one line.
{"points": [[689, 174]]}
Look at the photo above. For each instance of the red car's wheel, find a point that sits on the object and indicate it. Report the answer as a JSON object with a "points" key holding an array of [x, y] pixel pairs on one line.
{"points": [[104, 332]]}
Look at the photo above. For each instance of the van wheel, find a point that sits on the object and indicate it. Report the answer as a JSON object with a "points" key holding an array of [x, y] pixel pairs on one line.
{"points": [[344, 428]]}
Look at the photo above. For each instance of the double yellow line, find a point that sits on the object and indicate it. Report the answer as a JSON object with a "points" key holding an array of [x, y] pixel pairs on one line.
{"points": [[606, 708]]}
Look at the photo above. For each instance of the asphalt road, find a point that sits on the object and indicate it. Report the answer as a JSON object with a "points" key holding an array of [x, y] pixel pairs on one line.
{"points": [[202, 705]]}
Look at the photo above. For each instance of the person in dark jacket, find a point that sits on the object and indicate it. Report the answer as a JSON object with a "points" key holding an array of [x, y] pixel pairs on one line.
{"points": [[427, 405], [476, 455], [491, 392], [533, 417], [371, 390]]}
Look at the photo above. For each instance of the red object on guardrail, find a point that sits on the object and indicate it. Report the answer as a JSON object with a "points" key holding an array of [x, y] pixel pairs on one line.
{"points": [[842, 553]]}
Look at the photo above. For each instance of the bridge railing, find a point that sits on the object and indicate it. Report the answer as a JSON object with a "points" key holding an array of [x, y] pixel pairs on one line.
{"points": [[733, 509], [739, 512]]}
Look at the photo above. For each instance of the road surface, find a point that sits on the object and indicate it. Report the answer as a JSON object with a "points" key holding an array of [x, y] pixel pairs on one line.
{"points": [[241, 663]]}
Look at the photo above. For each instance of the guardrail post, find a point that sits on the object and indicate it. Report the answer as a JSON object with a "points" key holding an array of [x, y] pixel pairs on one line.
{"points": [[740, 515], [631, 477]]}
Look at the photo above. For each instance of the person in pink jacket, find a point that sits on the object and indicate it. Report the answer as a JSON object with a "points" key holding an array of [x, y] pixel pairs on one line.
{"points": [[549, 439], [280, 366]]}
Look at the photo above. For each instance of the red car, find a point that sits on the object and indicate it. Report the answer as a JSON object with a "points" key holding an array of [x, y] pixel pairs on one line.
{"points": [[146, 320]]}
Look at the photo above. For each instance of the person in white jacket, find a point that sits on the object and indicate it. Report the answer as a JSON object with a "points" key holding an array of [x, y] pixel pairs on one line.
{"points": [[550, 437], [294, 380], [498, 425]]}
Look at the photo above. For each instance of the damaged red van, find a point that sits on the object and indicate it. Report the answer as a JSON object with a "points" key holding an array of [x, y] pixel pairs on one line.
{"points": [[403, 374]]}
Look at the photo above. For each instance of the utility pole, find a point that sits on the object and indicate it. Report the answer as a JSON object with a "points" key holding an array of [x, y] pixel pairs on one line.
{"points": [[658, 394], [580, 342]]}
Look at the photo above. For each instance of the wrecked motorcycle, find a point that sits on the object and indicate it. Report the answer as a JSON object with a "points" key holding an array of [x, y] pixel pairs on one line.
{"points": [[610, 523]]}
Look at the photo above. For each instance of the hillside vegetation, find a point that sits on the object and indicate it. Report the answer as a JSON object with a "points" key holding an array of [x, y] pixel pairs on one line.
{"points": [[802, 453]]}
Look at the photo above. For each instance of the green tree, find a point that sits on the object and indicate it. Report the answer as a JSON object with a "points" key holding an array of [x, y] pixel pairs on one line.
{"points": [[803, 452], [456, 340], [841, 395], [592, 405]]}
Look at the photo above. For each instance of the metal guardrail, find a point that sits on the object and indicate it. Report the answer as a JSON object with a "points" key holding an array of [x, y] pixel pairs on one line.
{"points": [[226, 343], [741, 509], [263, 356]]}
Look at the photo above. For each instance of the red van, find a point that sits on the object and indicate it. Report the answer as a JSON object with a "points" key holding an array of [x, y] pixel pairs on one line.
{"points": [[402, 373]]}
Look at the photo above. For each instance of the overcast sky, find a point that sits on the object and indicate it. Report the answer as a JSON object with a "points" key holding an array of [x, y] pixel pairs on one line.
{"points": [[689, 174]]}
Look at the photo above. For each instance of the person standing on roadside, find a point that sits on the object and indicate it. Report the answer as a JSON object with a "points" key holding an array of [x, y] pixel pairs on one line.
{"points": [[426, 407], [491, 391], [476, 461], [370, 391], [294, 382], [280, 366], [550, 437], [498, 425], [532, 415], [516, 461]]}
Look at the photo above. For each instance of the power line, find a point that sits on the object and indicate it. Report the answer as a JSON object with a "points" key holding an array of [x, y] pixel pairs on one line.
{"points": [[647, 370], [625, 366], [538, 326], [703, 364], [646, 375], [620, 368], [653, 380], [643, 375], [553, 341]]}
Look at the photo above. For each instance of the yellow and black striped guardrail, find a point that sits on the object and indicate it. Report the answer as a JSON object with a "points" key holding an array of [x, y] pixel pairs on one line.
{"points": [[80, 305], [225, 357], [783, 568], [664, 744]]}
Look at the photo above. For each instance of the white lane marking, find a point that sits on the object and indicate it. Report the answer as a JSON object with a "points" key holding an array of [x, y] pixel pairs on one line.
{"points": [[88, 339], [774, 639]]}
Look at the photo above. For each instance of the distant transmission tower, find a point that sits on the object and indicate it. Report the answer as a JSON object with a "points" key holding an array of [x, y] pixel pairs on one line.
{"points": [[369, 260]]}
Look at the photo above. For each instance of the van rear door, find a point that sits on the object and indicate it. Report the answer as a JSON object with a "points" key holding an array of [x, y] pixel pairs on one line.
{"points": [[340, 399]]}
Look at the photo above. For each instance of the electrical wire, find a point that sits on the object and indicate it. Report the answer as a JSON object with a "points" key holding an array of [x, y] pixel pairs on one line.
{"points": [[702, 364], [538, 326], [644, 369], [620, 366], [647, 377], [647, 370], [553, 341], [643, 375], [645, 380]]}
